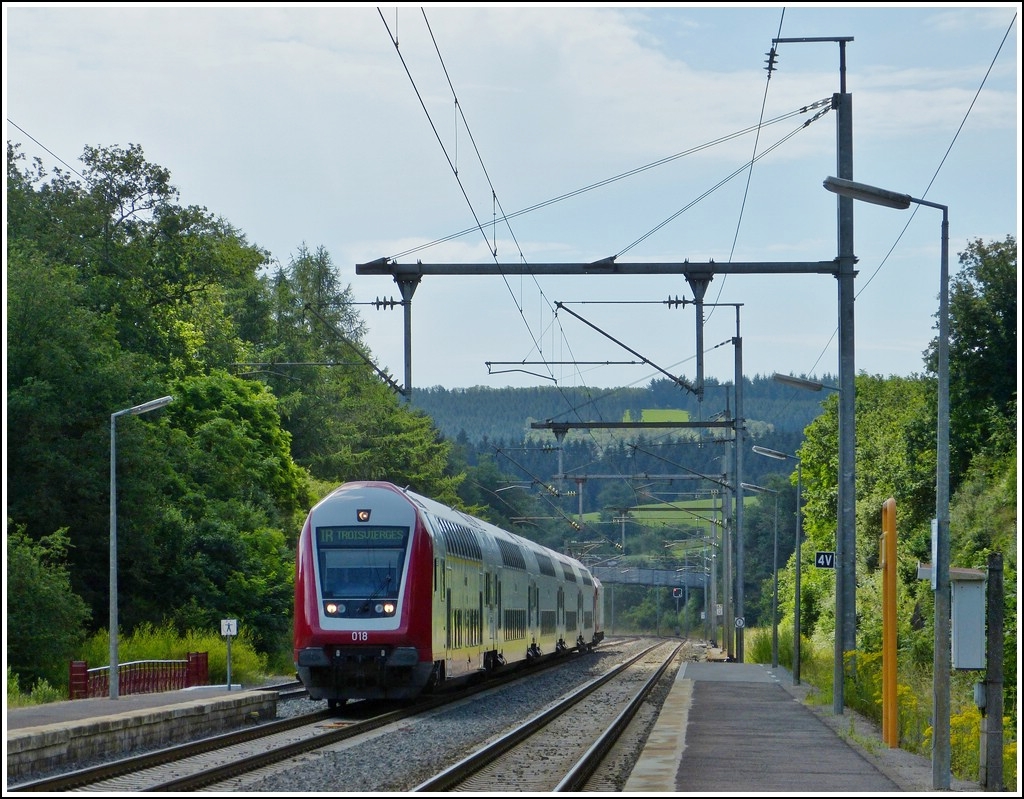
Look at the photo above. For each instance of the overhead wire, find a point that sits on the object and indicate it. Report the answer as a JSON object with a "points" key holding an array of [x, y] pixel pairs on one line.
{"points": [[942, 161], [917, 207], [823, 105], [455, 172], [753, 159], [620, 176], [492, 249]]}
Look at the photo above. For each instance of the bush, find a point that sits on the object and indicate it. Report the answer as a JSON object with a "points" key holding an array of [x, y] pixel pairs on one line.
{"points": [[41, 693], [164, 643], [44, 616], [14, 696], [759, 646]]}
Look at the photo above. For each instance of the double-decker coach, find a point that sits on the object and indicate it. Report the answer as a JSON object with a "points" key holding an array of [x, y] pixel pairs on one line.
{"points": [[396, 594]]}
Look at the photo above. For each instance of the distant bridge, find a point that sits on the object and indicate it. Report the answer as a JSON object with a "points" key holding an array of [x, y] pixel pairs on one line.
{"points": [[639, 575]]}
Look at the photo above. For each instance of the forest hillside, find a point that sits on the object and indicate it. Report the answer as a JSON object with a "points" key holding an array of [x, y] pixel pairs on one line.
{"points": [[482, 414]]}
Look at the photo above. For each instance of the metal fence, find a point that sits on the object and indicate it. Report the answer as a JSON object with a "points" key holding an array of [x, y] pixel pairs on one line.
{"points": [[139, 677]]}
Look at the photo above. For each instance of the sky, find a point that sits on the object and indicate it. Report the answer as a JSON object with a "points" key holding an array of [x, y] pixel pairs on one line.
{"points": [[550, 134]]}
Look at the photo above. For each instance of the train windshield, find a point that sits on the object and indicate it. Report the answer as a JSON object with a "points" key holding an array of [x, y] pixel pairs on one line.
{"points": [[360, 562]]}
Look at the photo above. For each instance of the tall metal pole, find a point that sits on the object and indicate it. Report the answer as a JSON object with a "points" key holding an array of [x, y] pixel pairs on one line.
{"points": [[112, 674], [775, 587], [796, 586], [714, 581], [775, 571], [846, 533], [846, 536], [728, 570], [407, 285], [942, 655], [739, 430], [771, 453], [113, 622]]}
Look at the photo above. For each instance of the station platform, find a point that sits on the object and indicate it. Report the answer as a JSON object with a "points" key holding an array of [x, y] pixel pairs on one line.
{"points": [[725, 727], [46, 737], [744, 728]]}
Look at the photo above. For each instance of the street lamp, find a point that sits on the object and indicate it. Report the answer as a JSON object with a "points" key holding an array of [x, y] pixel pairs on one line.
{"points": [[782, 456], [146, 407], [940, 571], [799, 382], [846, 591], [775, 573]]}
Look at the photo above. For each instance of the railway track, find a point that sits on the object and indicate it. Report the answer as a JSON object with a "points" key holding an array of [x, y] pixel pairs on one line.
{"points": [[287, 691], [561, 748], [219, 759]]}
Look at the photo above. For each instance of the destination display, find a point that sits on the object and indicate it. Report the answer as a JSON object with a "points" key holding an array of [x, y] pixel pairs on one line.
{"points": [[362, 535]]}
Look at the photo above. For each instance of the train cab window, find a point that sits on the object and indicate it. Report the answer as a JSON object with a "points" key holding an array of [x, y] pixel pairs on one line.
{"points": [[348, 573], [353, 566]]}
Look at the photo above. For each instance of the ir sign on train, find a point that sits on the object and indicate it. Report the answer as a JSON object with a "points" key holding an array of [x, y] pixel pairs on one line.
{"points": [[825, 560]]}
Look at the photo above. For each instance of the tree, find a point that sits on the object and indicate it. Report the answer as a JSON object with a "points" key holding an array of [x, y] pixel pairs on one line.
{"points": [[894, 459], [66, 373], [114, 292], [982, 347], [46, 620], [219, 541]]}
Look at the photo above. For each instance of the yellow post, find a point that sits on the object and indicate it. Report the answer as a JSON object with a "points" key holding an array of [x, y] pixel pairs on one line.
{"points": [[890, 720]]}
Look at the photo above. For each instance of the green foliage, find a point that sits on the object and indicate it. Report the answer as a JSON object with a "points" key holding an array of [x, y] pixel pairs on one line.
{"points": [[41, 693], [149, 642], [44, 616], [757, 645], [504, 416], [983, 354], [248, 665], [15, 698]]}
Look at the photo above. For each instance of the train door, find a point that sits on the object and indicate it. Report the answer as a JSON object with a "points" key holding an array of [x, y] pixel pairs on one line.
{"points": [[490, 586], [532, 602], [449, 626]]}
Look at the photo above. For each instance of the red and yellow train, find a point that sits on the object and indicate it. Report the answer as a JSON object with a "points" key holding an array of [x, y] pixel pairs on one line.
{"points": [[397, 594]]}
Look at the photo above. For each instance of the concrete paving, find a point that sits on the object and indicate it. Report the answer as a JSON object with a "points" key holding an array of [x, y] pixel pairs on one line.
{"points": [[745, 728]]}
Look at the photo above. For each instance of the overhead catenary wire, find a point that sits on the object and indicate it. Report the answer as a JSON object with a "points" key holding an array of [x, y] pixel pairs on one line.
{"points": [[772, 55], [916, 208]]}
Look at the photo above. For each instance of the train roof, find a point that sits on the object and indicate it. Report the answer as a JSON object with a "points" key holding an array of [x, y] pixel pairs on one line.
{"points": [[441, 510]]}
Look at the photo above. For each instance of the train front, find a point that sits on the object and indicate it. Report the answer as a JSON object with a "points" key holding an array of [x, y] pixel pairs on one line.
{"points": [[363, 583]]}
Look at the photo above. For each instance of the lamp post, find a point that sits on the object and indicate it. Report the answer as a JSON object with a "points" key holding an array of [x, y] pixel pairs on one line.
{"points": [[799, 382], [842, 555], [775, 573], [941, 655], [146, 407], [782, 456]]}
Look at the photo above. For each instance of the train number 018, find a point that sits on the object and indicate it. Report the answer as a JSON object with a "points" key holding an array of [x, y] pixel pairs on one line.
{"points": [[360, 635]]}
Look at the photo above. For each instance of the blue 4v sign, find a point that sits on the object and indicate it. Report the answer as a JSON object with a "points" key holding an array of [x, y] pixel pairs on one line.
{"points": [[825, 560]]}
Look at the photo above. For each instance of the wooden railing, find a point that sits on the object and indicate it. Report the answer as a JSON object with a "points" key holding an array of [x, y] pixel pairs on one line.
{"points": [[139, 677]]}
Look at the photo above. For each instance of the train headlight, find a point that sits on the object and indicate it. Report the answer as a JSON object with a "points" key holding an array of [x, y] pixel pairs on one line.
{"points": [[331, 608], [379, 608], [389, 607]]}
